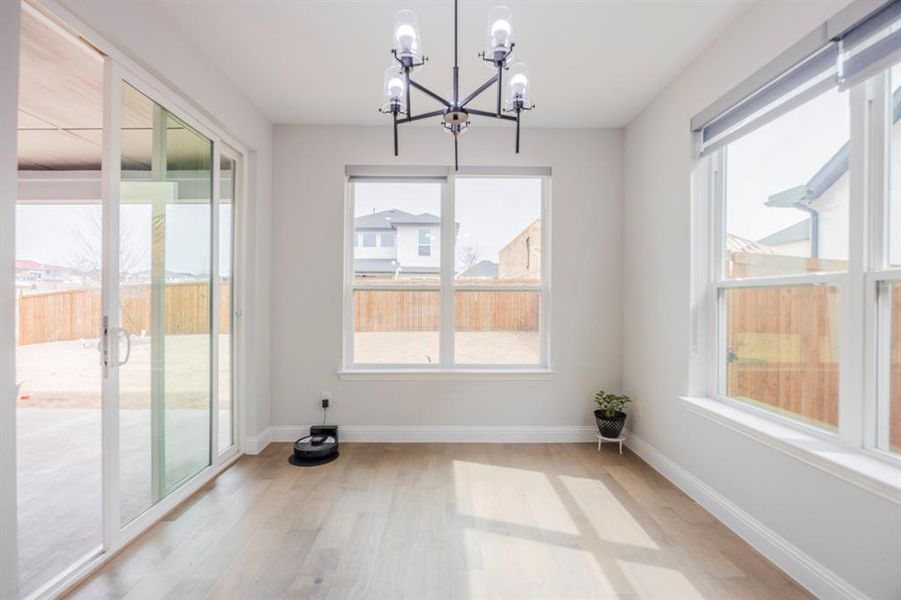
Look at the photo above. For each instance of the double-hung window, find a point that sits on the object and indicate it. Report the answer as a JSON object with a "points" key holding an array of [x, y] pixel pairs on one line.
{"points": [[465, 284], [801, 181]]}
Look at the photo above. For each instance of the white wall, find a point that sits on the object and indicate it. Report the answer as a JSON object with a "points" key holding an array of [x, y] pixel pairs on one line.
{"points": [[408, 246], [148, 37], [852, 532], [308, 188], [833, 209]]}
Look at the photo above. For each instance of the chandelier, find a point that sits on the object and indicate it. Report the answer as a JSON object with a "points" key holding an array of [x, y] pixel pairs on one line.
{"points": [[455, 111]]}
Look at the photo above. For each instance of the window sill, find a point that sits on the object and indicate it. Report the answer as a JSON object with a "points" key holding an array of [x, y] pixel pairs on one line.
{"points": [[847, 463], [444, 374]]}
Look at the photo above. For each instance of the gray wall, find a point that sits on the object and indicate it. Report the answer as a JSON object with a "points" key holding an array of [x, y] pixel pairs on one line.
{"points": [[852, 532], [308, 211]]}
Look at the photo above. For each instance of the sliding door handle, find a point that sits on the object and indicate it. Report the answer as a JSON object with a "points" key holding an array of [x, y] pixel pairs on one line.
{"points": [[127, 345]]}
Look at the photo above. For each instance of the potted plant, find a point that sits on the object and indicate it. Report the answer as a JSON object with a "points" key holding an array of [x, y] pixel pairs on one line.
{"points": [[609, 414]]}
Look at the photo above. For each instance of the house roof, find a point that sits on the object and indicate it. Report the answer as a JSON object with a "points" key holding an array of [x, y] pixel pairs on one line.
{"points": [[483, 269], [32, 265], [798, 232], [29, 264], [736, 244], [389, 219], [826, 176]]}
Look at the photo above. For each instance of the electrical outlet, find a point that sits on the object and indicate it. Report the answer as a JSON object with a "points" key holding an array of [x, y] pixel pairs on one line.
{"points": [[325, 395]]}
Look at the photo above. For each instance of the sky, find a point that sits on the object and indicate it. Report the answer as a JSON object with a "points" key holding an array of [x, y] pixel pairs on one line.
{"points": [[68, 235], [490, 211], [781, 155]]}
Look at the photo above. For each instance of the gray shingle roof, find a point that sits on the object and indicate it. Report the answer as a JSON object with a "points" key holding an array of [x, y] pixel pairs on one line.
{"points": [[388, 219], [793, 233], [483, 268]]}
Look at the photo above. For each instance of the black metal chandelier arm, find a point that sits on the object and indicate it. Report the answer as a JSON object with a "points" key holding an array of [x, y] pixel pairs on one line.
{"points": [[491, 115], [478, 91], [430, 93], [428, 115]]}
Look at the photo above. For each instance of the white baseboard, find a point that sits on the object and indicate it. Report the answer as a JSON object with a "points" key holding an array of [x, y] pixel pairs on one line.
{"points": [[444, 433], [819, 580], [254, 444]]}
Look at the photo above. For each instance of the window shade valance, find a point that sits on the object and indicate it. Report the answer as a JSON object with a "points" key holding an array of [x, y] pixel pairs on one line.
{"points": [[831, 56]]}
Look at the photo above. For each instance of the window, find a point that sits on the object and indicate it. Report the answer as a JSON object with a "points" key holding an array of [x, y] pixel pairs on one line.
{"points": [[786, 213], [478, 300], [498, 272], [425, 242], [368, 240], [887, 279], [804, 328]]}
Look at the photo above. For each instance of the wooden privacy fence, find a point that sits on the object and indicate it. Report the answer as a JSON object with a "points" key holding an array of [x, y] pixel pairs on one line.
{"points": [[415, 310], [75, 314], [783, 349]]}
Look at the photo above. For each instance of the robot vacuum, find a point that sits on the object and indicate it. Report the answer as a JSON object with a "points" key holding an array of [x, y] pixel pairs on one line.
{"points": [[318, 448]]}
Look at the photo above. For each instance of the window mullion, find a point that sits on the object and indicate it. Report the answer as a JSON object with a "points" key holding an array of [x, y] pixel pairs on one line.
{"points": [[876, 306], [851, 340], [349, 237], [716, 330], [448, 239]]}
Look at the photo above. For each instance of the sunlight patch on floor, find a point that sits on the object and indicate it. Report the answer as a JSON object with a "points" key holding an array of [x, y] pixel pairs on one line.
{"points": [[611, 521], [513, 496], [658, 583]]}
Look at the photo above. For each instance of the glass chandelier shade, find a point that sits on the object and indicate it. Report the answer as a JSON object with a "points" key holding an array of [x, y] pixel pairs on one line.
{"points": [[500, 29], [518, 86], [395, 87], [406, 35]]}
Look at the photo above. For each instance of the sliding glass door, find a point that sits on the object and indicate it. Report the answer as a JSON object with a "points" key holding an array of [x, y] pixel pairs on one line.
{"points": [[123, 308], [58, 219], [165, 302]]}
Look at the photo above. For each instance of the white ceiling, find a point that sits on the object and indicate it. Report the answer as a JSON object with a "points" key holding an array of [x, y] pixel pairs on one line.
{"points": [[592, 63]]}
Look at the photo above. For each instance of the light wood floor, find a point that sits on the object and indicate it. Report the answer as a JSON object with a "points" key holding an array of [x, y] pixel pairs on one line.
{"points": [[445, 521]]}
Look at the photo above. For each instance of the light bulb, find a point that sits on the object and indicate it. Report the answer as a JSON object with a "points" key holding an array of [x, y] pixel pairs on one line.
{"points": [[500, 29], [406, 34], [395, 86], [500, 32], [406, 37], [518, 85]]}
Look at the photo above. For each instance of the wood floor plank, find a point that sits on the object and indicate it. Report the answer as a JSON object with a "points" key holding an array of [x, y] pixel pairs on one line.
{"points": [[441, 521]]}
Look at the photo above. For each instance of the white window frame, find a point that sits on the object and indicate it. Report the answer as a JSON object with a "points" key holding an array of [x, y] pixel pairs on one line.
{"points": [[862, 388], [446, 287], [428, 245], [388, 236]]}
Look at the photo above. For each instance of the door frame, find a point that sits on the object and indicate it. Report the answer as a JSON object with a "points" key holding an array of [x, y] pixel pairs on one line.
{"points": [[118, 68], [9, 103]]}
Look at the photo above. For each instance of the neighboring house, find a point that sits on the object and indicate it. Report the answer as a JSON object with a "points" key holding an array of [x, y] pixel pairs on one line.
{"points": [[824, 234], [484, 269], [793, 240], [398, 245], [521, 258], [37, 276]]}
